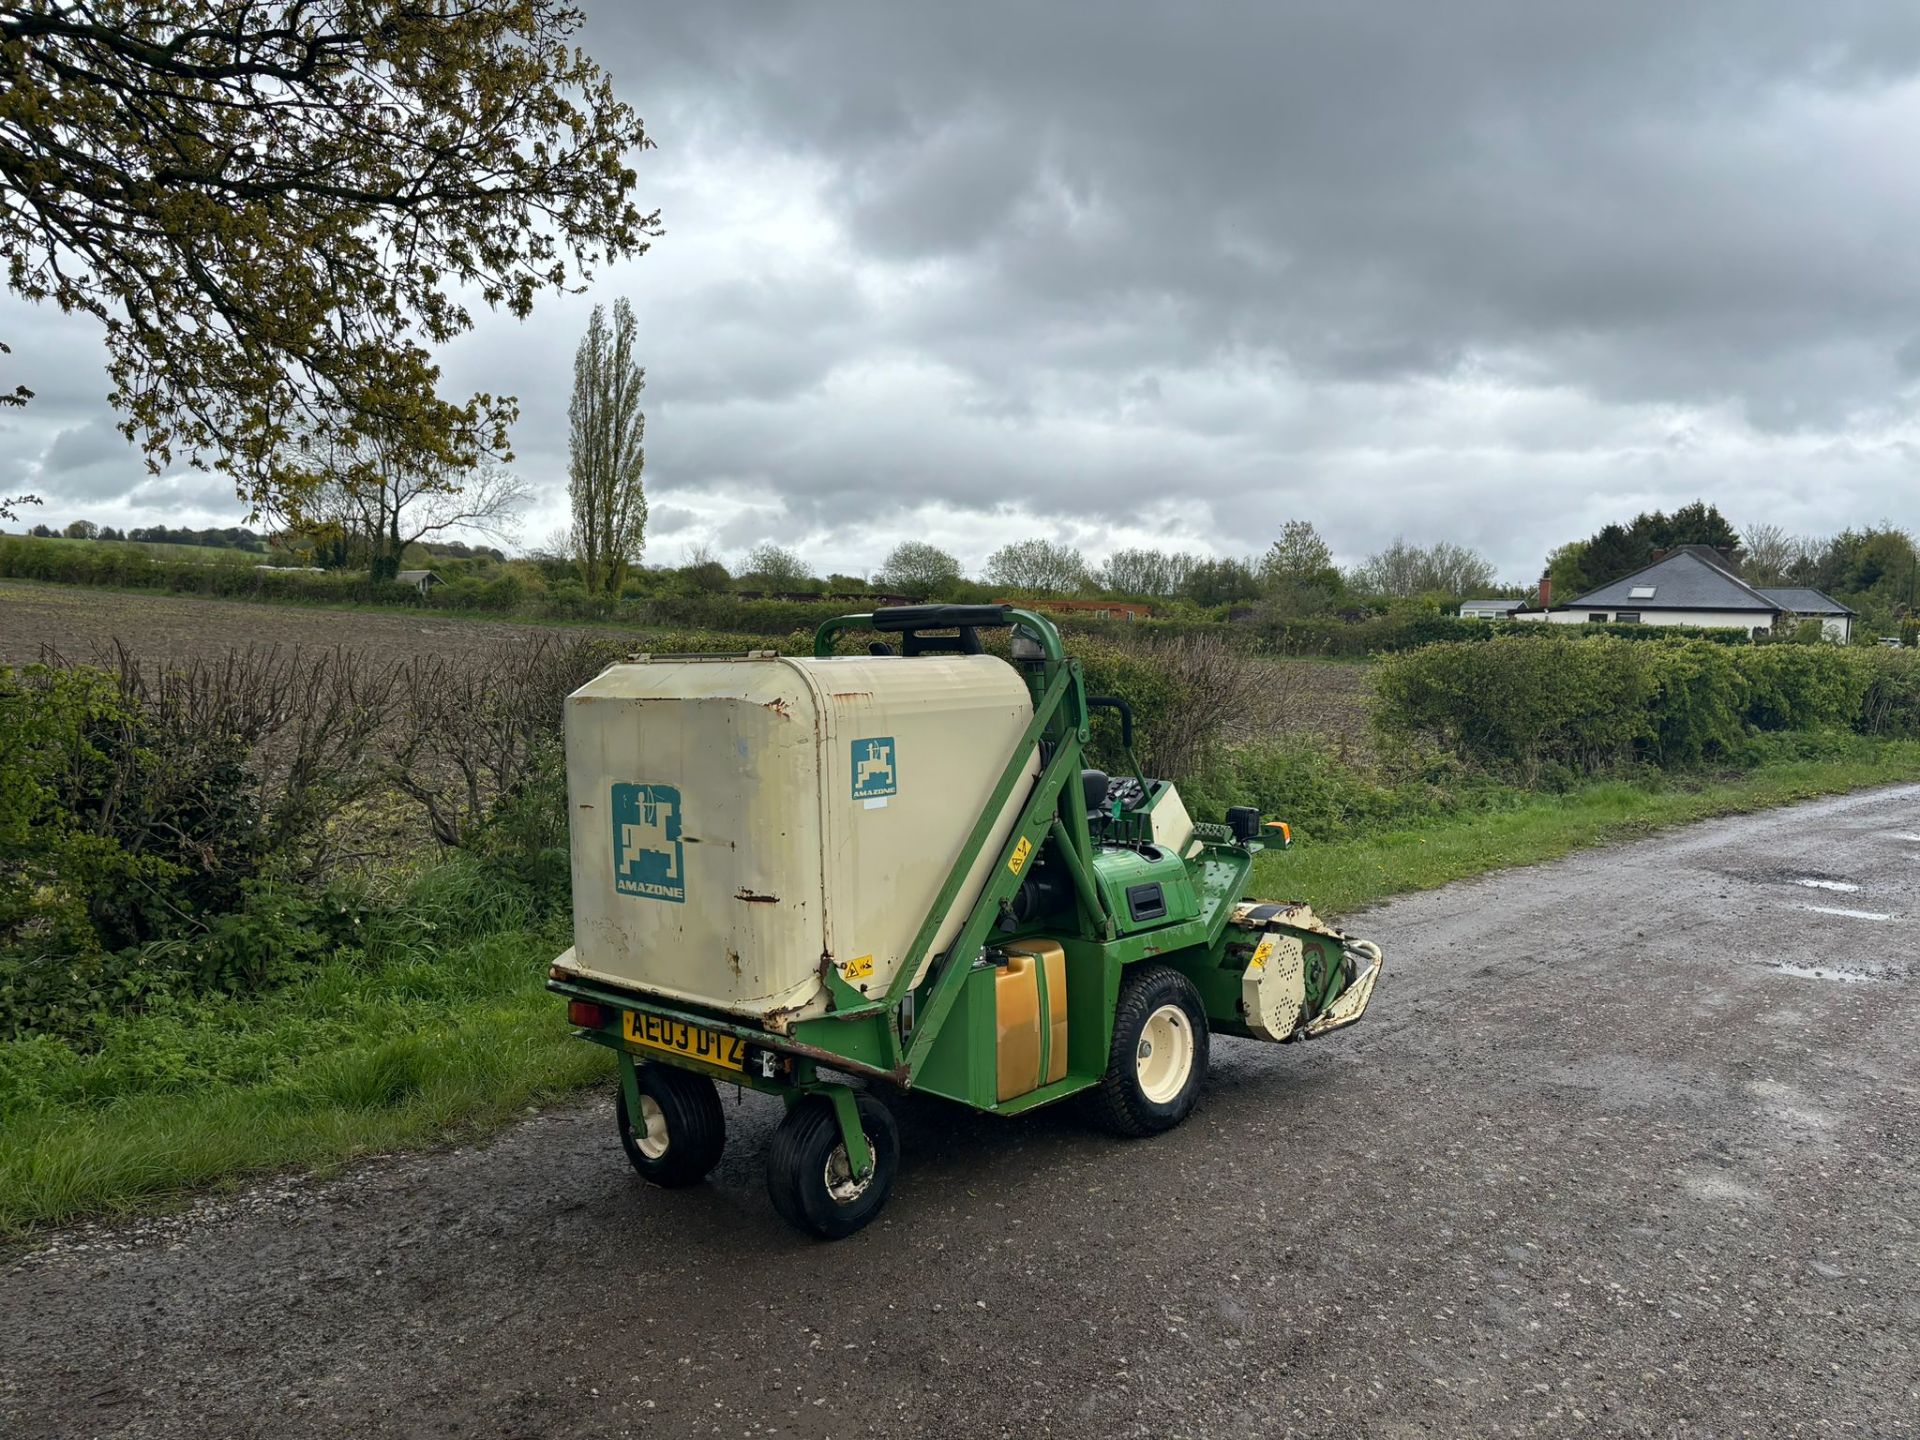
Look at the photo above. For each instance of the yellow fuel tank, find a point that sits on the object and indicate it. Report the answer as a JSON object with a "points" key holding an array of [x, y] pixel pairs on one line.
{"points": [[1030, 1004]]}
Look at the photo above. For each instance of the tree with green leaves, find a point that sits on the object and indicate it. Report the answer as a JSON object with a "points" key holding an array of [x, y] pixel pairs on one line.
{"points": [[773, 567], [1220, 581], [1618, 550], [915, 567], [1298, 557], [1037, 565], [606, 451], [1566, 572], [275, 207], [1298, 573]]}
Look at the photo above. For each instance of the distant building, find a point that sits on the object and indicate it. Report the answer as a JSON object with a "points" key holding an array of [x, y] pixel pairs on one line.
{"points": [[1695, 585], [421, 580], [1836, 620], [1488, 609]]}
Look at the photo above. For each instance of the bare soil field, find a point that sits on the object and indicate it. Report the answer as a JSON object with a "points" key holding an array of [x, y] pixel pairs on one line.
{"points": [[76, 621], [1299, 696]]}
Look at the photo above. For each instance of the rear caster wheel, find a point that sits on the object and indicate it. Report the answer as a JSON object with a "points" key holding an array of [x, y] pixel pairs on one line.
{"points": [[1159, 1057], [809, 1179], [680, 1131]]}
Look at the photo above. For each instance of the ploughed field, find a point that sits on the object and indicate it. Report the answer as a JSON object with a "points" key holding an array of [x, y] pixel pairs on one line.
{"points": [[79, 622], [1294, 696]]}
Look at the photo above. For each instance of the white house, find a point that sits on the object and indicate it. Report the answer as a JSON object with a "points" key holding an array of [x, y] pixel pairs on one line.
{"points": [[1693, 585], [1489, 609]]}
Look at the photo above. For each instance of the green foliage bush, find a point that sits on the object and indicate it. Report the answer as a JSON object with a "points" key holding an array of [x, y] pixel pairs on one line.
{"points": [[1588, 704], [1799, 687], [129, 567], [1522, 705]]}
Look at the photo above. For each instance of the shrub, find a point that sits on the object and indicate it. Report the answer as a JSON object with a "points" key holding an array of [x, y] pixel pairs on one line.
{"points": [[1697, 711], [1795, 687], [1890, 702], [1523, 705], [1591, 702]]}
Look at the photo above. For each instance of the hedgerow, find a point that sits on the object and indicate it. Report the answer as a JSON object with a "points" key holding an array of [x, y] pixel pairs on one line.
{"points": [[1586, 705]]}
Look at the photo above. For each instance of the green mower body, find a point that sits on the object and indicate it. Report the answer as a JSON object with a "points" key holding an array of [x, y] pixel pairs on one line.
{"points": [[1085, 938]]}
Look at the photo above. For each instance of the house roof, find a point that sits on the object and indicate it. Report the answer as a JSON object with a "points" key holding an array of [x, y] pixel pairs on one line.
{"points": [[1684, 580], [1503, 606], [1802, 601], [414, 577]]}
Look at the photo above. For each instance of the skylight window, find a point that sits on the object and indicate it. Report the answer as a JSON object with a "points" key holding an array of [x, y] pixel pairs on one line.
{"points": [[1640, 592]]}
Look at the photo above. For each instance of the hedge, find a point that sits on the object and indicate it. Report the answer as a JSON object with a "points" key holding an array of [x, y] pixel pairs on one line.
{"points": [[1587, 704], [1395, 631], [129, 567]]}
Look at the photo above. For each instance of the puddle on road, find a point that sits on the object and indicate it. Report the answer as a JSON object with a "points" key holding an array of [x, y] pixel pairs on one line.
{"points": [[1844, 913], [1816, 972]]}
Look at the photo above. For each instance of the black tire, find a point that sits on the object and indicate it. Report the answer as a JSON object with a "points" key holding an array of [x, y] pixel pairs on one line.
{"points": [[1124, 1102], [806, 1144], [694, 1126]]}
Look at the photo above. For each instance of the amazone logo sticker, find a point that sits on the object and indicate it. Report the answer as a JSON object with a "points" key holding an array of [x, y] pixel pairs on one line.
{"points": [[648, 858], [874, 768]]}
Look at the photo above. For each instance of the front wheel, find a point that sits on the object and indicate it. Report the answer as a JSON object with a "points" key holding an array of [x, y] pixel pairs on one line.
{"points": [[680, 1131], [1159, 1057], [809, 1178]]}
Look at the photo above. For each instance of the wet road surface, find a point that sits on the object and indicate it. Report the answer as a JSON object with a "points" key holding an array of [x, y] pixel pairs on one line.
{"points": [[1626, 1145]]}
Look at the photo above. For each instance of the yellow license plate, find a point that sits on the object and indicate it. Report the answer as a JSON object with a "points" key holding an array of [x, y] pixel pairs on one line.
{"points": [[676, 1037]]}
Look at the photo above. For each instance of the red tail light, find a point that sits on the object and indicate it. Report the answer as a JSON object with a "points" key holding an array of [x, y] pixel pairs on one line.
{"points": [[588, 1015]]}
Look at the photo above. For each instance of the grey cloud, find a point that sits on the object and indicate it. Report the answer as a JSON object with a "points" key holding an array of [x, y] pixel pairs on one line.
{"points": [[85, 446], [665, 520], [1493, 270]]}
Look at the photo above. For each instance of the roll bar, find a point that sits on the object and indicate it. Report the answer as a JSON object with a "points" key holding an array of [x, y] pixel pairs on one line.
{"points": [[911, 621]]}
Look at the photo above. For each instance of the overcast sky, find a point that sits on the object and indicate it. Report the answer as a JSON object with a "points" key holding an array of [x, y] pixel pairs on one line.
{"points": [[1493, 271]]}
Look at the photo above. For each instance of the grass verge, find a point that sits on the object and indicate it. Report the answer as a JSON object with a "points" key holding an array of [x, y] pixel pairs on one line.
{"points": [[1343, 875], [440, 1028]]}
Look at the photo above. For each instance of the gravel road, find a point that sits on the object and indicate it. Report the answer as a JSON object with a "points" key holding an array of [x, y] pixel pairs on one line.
{"points": [[1627, 1145]]}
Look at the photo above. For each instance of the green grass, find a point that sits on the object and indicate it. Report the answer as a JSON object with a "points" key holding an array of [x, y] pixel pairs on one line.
{"points": [[1343, 875], [440, 1028]]}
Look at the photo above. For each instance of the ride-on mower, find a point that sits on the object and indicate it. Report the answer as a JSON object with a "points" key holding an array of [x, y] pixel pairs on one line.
{"points": [[896, 867]]}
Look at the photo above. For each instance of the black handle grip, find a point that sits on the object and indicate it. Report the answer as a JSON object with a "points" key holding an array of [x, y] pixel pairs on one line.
{"points": [[940, 617], [1114, 702]]}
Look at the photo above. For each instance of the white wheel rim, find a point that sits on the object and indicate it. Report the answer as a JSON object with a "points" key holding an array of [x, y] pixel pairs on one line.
{"points": [[651, 1137], [1165, 1055], [842, 1187]]}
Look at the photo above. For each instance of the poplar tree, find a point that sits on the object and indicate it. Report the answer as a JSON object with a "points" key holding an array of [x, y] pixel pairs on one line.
{"points": [[605, 451]]}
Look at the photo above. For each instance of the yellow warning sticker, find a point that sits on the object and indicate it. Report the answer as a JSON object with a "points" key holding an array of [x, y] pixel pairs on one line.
{"points": [[858, 968], [1020, 854]]}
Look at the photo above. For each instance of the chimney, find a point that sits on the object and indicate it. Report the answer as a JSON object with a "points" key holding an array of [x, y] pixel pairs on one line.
{"points": [[1546, 592]]}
